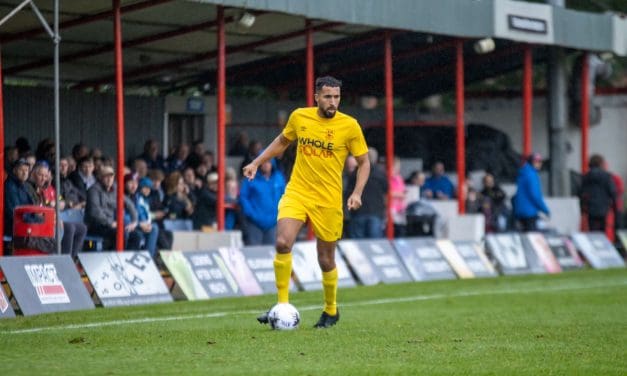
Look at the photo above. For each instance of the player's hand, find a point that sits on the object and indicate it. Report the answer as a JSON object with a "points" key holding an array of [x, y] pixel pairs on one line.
{"points": [[354, 202], [249, 171]]}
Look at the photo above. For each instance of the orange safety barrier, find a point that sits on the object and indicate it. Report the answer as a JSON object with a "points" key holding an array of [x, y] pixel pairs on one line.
{"points": [[32, 221]]}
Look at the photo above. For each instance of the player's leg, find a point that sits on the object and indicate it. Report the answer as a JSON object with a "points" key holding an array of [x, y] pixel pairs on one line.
{"points": [[287, 231]]}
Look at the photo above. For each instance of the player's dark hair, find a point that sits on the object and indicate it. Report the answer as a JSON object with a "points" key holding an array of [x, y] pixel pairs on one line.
{"points": [[327, 81]]}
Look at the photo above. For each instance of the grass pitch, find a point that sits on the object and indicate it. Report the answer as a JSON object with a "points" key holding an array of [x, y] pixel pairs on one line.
{"points": [[568, 324]]}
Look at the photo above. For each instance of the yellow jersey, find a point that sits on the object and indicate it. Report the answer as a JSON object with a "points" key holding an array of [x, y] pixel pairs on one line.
{"points": [[322, 147]]}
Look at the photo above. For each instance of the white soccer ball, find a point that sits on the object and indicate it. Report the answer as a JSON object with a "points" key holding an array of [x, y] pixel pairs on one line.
{"points": [[284, 316]]}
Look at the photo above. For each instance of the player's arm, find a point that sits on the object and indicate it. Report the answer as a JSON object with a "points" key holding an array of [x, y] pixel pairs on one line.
{"points": [[363, 171], [276, 148]]}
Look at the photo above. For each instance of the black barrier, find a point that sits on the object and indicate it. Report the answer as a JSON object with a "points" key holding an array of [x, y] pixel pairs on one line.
{"points": [[307, 272], [513, 255], [423, 259], [564, 251], [124, 278], [42, 284], [598, 250]]}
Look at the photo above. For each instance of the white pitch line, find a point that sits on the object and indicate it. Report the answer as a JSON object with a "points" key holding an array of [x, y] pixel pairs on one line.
{"points": [[540, 289]]}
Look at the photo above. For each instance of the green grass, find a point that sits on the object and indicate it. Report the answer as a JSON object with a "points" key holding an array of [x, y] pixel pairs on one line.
{"points": [[568, 324]]}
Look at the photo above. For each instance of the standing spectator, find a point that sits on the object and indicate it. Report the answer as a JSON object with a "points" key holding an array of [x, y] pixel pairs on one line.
{"points": [[151, 155], [259, 199], [73, 235], [367, 221], [438, 185], [254, 148], [597, 194], [397, 195], [204, 215], [176, 202], [145, 228], [528, 202], [619, 211], [101, 211], [493, 205]]}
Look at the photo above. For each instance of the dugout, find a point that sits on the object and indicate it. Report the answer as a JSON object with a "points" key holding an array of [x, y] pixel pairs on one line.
{"points": [[405, 49]]}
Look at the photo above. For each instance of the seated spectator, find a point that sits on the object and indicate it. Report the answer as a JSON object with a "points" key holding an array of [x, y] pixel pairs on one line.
{"points": [[73, 197], [176, 202], [151, 155], [101, 211], [177, 160], [494, 205], [80, 151], [438, 185], [83, 178], [240, 145], [232, 218], [145, 228], [73, 234], [259, 199], [140, 168], [156, 211], [196, 155], [415, 183]]}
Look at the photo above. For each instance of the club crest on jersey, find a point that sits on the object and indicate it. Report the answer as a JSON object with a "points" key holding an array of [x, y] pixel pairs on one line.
{"points": [[330, 134]]}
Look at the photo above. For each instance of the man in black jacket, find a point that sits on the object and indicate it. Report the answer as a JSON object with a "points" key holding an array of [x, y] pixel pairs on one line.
{"points": [[597, 194]]}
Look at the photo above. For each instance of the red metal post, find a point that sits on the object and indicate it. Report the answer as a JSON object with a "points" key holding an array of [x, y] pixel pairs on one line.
{"points": [[459, 125], [527, 99], [2, 156], [119, 94], [309, 84], [585, 112], [221, 79], [389, 126]]}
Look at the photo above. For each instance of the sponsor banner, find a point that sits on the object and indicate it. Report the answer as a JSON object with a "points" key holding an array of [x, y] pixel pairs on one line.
{"points": [[454, 259], [523, 21], [512, 255], [542, 249], [374, 261], [260, 260], [622, 237], [124, 278], [564, 251], [6, 310], [307, 271], [598, 250], [42, 284], [423, 259], [201, 274], [236, 262], [474, 256]]}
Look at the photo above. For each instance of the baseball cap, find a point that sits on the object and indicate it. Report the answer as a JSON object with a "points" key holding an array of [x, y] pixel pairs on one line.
{"points": [[145, 182], [106, 170], [212, 177]]}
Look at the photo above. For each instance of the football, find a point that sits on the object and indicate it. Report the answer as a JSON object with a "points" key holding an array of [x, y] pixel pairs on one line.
{"points": [[284, 316]]}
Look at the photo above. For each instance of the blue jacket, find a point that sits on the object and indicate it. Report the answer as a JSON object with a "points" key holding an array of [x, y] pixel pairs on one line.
{"points": [[259, 198], [528, 201], [441, 184]]}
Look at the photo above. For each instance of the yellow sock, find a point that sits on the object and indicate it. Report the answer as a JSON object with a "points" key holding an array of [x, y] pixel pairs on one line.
{"points": [[329, 284], [283, 275]]}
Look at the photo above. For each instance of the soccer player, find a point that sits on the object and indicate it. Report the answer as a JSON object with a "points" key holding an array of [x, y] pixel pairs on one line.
{"points": [[324, 137]]}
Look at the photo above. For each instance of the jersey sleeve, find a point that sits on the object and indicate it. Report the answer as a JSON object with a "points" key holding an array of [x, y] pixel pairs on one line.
{"points": [[357, 143], [290, 128]]}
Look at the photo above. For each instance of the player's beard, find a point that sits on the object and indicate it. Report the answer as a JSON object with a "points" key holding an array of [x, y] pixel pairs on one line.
{"points": [[329, 112]]}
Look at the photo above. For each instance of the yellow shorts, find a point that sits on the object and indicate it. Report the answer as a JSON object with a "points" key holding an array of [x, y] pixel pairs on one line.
{"points": [[327, 222]]}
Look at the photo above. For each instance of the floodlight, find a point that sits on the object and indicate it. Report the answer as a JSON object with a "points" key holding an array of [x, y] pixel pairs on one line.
{"points": [[246, 19], [484, 46]]}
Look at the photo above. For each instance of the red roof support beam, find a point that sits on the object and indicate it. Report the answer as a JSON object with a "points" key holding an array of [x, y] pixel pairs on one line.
{"points": [[119, 106], [459, 127], [389, 125], [27, 34], [585, 112], [221, 111], [2, 156]]}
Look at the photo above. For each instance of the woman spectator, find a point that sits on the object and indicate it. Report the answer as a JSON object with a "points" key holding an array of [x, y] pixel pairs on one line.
{"points": [[177, 203], [397, 202]]}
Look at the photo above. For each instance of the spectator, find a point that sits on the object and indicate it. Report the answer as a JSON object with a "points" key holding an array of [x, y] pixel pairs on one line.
{"points": [[254, 148], [177, 160], [205, 211], [10, 156], [240, 146], [151, 155], [79, 151], [156, 210], [145, 228], [17, 192], [397, 195], [367, 221], [597, 194], [193, 183], [83, 178], [232, 216], [195, 157], [73, 197], [619, 211], [493, 205], [46, 151], [157, 193], [528, 201], [259, 200], [140, 168], [101, 211], [208, 160], [177, 203], [438, 185], [23, 146], [414, 185], [73, 234]]}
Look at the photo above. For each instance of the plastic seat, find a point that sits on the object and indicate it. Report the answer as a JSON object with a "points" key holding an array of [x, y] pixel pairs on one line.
{"points": [[32, 221]]}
